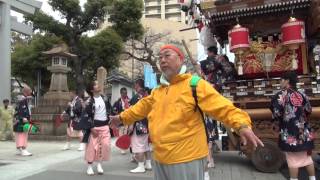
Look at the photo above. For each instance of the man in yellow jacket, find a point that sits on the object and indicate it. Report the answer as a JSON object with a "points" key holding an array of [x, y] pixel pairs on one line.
{"points": [[176, 130]]}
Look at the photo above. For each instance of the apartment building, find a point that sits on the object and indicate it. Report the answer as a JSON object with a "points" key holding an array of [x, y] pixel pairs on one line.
{"points": [[164, 9]]}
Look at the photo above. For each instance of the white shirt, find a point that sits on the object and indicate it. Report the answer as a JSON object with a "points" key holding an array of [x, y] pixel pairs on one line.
{"points": [[73, 103], [74, 100], [122, 103], [100, 109]]}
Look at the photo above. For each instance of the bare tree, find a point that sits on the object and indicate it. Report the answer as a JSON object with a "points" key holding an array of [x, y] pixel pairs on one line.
{"points": [[143, 50]]}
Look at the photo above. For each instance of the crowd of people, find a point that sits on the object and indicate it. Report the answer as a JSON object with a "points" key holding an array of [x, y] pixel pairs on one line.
{"points": [[176, 124], [178, 118]]}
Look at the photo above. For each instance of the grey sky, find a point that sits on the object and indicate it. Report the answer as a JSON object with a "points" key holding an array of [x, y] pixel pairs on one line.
{"points": [[47, 9]]}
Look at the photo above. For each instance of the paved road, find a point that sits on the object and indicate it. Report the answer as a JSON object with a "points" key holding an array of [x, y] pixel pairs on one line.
{"points": [[50, 163]]}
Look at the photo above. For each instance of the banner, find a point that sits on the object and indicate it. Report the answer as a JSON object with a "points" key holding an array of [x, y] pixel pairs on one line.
{"points": [[150, 78]]}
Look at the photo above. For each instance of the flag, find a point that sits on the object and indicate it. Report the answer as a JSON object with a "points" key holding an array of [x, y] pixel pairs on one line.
{"points": [[150, 78]]}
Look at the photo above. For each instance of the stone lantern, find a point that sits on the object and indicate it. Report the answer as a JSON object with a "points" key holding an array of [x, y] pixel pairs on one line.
{"points": [[60, 56], [55, 101]]}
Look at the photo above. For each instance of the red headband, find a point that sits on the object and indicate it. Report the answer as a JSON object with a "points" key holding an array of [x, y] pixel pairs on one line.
{"points": [[175, 49]]}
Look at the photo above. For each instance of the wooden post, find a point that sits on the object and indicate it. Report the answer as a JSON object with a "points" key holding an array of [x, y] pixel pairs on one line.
{"points": [[196, 66]]}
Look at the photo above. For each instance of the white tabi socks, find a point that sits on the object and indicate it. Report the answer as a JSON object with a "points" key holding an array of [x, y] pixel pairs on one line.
{"points": [[81, 146], [312, 178], [139, 169], [148, 165], [206, 175], [99, 169], [90, 171]]}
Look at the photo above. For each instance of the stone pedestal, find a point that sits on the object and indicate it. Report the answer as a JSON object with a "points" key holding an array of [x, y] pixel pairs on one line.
{"points": [[54, 102], [47, 113]]}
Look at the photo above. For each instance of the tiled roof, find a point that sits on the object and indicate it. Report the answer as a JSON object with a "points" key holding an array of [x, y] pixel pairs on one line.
{"points": [[247, 8], [116, 76]]}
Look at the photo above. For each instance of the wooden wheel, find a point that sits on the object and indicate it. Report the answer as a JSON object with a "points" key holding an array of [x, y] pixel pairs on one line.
{"points": [[268, 158]]}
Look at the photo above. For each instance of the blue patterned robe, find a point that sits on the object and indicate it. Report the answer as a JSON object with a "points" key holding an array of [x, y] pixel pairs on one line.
{"points": [[290, 109]]}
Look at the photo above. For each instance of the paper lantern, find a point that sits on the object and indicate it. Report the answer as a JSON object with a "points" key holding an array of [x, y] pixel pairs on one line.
{"points": [[238, 39], [293, 33], [239, 42]]}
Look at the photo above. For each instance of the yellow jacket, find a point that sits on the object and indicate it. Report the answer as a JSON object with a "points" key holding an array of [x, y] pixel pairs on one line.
{"points": [[6, 114], [176, 130]]}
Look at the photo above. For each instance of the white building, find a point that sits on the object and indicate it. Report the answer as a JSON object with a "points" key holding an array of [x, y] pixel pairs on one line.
{"points": [[164, 9]]}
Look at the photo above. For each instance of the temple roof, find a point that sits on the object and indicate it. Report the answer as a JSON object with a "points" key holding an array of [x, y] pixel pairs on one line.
{"points": [[119, 77], [245, 8], [60, 49], [262, 17]]}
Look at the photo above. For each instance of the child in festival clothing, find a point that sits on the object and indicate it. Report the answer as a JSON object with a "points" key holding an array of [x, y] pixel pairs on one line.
{"points": [[22, 116], [290, 109], [98, 148], [140, 135], [74, 111], [120, 105]]}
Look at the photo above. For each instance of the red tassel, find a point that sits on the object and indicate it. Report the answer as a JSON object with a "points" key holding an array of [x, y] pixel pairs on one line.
{"points": [[200, 26]]}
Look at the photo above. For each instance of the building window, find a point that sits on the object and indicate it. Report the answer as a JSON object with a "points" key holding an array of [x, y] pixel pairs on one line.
{"points": [[64, 61], [55, 60]]}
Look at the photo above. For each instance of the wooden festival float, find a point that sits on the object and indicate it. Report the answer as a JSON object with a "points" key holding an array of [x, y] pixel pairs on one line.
{"points": [[268, 38]]}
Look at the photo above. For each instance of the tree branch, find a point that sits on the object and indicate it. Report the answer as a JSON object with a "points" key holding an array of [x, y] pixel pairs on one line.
{"points": [[134, 57]]}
